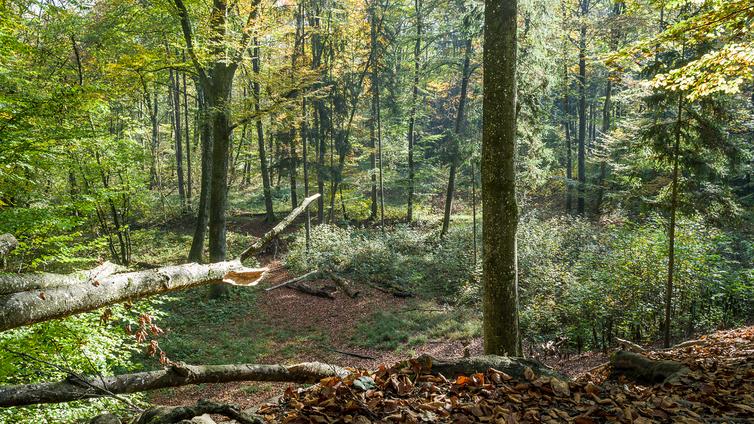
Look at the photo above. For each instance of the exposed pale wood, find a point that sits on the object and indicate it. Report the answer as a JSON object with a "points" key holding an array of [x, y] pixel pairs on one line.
{"points": [[178, 375], [259, 244], [29, 307]]}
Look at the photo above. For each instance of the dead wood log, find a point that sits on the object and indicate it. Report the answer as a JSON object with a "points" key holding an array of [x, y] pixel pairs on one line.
{"points": [[326, 292], [513, 366], [630, 346], [72, 388], [259, 244], [306, 276], [29, 307], [7, 244], [644, 370], [349, 289], [14, 283], [180, 414]]}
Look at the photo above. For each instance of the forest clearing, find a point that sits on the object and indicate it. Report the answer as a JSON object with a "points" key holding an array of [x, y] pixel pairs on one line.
{"points": [[321, 211]]}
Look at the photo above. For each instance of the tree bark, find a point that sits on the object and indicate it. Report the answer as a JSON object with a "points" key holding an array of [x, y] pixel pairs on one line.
{"points": [[264, 168], [374, 87], [14, 283], [457, 131], [175, 93], [644, 370], [177, 375], [582, 111], [500, 218], [259, 244], [44, 304], [189, 188], [671, 227], [412, 113], [202, 214]]}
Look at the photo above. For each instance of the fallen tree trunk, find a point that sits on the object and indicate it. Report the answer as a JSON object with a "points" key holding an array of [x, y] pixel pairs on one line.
{"points": [[72, 388], [180, 414], [7, 244], [513, 366], [29, 307], [644, 370], [14, 283], [259, 244], [306, 276], [326, 292], [345, 285], [629, 345]]}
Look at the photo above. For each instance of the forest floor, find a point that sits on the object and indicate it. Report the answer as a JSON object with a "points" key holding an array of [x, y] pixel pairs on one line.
{"points": [[287, 326]]}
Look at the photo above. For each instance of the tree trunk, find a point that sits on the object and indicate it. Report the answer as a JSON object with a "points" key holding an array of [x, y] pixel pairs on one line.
{"points": [[155, 142], [412, 113], [266, 184], [189, 188], [373, 76], [202, 215], [582, 111], [569, 148], [43, 304], [177, 375], [175, 93], [457, 131], [605, 130], [500, 218], [254, 248], [671, 227]]}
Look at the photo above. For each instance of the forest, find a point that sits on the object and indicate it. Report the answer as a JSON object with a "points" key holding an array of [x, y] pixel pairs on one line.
{"points": [[356, 211]]}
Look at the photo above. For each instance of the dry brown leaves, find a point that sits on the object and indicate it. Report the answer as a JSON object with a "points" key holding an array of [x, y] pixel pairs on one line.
{"points": [[720, 388]]}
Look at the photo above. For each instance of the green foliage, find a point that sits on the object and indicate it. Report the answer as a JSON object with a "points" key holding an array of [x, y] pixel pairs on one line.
{"points": [[583, 280], [407, 257], [82, 344], [417, 324]]}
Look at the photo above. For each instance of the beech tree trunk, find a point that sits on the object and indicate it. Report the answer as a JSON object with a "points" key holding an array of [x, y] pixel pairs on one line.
{"points": [[49, 302], [202, 214], [178, 375], [500, 218], [175, 93], [263, 163]]}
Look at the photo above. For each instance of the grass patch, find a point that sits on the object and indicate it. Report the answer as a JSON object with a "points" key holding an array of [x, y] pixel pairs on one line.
{"points": [[397, 330]]}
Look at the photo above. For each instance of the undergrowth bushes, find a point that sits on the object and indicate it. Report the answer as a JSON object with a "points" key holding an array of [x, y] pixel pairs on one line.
{"points": [[587, 281], [411, 258]]}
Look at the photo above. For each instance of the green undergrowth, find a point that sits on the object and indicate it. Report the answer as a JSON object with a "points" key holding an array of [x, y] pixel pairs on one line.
{"points": [[403, 329]]}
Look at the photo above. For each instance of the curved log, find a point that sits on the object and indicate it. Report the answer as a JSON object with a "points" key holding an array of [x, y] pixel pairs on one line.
{"points": [[513, 366]]}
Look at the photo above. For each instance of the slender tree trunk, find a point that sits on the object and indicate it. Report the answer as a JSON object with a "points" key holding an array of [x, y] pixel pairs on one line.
{"points": [[457, 131], [569, 152], [473, 209], [373, 119], [412, 113], [606, 107], [176, 95], [189, 187], [500, 218], [155, 144], [202, 214], [264, 168], [582, 111], [671, 228]]}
